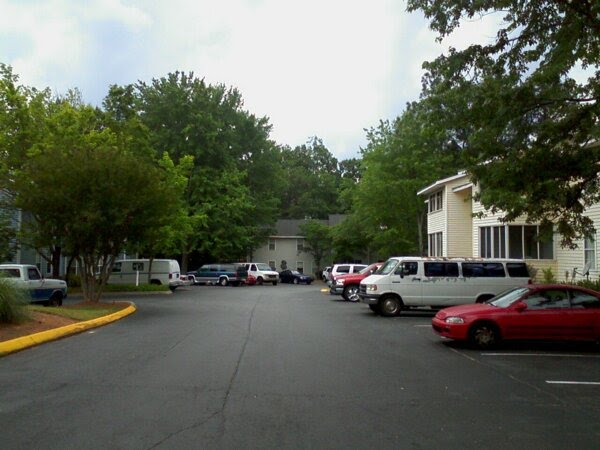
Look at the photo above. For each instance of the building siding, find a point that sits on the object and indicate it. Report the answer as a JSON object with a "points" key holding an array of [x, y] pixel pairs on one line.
{"points": [[569, 259], [459, 229]]}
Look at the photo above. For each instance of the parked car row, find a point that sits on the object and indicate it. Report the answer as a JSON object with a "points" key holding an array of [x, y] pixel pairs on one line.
{"points": [[480, 301], [237, 274]]}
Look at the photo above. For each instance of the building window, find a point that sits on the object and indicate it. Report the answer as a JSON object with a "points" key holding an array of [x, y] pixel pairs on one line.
{"points": [[435, 202], [300, 245], [300, 266], [530, 242], [524, 242], [271, 245], [492, 242], [436, 244], [589, 252]]}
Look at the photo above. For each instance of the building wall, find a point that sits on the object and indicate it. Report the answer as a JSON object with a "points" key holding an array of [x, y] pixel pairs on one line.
{"points": [[569, 259], [460, 224], [453, 220], [286, 249]]}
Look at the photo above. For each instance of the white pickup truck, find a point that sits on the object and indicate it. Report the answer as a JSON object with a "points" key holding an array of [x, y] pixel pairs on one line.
{"points": [[48, 291]]}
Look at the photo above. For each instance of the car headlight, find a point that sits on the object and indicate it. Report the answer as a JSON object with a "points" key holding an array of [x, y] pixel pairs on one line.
{"points": [[454, 320], [371, 287], [339, 282]]}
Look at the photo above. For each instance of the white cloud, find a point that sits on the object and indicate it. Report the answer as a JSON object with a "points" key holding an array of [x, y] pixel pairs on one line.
{"points": [[325, 68]]}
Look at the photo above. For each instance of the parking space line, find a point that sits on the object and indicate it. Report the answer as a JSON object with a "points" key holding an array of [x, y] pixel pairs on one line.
{"points": [[555, 355], [592, 383], [422, 326]]}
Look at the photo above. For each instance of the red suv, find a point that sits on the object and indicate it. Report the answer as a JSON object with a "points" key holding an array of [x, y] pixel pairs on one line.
{"points": [[347, 284]]}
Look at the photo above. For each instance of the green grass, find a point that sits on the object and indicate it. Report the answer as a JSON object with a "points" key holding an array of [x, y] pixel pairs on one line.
{"points": [[82, 311]]}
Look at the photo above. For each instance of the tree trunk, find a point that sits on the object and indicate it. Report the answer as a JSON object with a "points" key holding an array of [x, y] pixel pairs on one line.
{"points": [[185, 256], [150, 261], [56, 252]]}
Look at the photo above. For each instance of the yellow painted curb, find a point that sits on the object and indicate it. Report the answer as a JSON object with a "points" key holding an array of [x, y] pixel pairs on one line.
{"points": [[324, 290], [15, 345]]}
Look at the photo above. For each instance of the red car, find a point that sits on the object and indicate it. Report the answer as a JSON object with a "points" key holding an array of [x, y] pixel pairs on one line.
{"points": [[347, 284], [534, 312]]}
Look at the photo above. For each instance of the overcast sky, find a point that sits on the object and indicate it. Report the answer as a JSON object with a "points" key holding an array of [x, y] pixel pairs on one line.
{"points": [[323, 68]]}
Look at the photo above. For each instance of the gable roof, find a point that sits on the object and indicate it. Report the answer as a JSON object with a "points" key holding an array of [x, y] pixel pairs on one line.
{"points": [[440, 183], [291, 227]]}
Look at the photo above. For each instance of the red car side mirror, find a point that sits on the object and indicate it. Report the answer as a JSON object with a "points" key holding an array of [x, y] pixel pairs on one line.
{"points": [[520, 306]]}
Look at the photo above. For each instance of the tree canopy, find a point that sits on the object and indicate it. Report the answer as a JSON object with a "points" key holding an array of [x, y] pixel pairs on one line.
{"points": [[89, 195], [525, 107], [401, 158]]}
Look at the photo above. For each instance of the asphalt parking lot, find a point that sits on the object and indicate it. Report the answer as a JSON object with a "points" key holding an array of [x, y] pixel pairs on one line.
{"points": [[292, 367]]}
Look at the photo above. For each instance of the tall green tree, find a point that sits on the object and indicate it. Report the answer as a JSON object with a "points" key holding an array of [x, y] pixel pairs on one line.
{"points": [[313, 180], [231, 151], [318, 237], [400, 159], [530, 101], [22, 123], [89, 194]]}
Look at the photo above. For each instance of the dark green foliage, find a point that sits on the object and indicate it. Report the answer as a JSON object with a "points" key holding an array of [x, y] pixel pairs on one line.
{"points": [[400, 159], [312, 181], [525, 107], [232, 194], [590, 284], [318, 240]]}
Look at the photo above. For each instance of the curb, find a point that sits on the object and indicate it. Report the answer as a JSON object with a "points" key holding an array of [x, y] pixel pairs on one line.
{"points": [[18, 344]]}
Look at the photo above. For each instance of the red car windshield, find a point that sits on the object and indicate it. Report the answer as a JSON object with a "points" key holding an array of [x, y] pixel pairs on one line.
{"points": [[507, 298]]}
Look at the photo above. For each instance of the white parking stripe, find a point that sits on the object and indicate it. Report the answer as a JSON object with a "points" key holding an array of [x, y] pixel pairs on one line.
{"points": [[593, 383], [555, 355], [422, 326]]}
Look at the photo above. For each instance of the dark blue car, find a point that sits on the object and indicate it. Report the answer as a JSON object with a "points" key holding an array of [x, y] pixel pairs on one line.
{"points": [[295, 277]]}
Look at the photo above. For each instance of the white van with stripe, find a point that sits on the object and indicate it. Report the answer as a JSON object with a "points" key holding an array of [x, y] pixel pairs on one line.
{"points": [[135, 271], [407, 282]]}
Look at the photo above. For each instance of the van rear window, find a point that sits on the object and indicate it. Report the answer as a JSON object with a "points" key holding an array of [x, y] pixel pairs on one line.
{"points": [[492, 270], [517, 270], [441, 269]]}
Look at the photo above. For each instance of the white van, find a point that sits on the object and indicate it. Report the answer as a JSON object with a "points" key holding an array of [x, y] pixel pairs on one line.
{"points": [[135, 271], [262, 272], [407, 282]]}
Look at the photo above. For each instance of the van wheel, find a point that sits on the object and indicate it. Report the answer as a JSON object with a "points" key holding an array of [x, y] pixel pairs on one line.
{"points": [[484, 335], [223, 281], [390, 306]]}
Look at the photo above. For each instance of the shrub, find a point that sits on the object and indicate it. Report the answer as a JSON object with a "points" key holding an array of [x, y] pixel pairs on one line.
{"points": [[548, 276], [590, 284], [13, 303], [73, 280]]}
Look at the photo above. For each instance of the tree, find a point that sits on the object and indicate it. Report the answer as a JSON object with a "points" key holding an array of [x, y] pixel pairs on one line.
{"points": [[317, 236], [236, 173], [22, 116], [312, 176], [400, 159], [530, 101], [91, 195]]}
